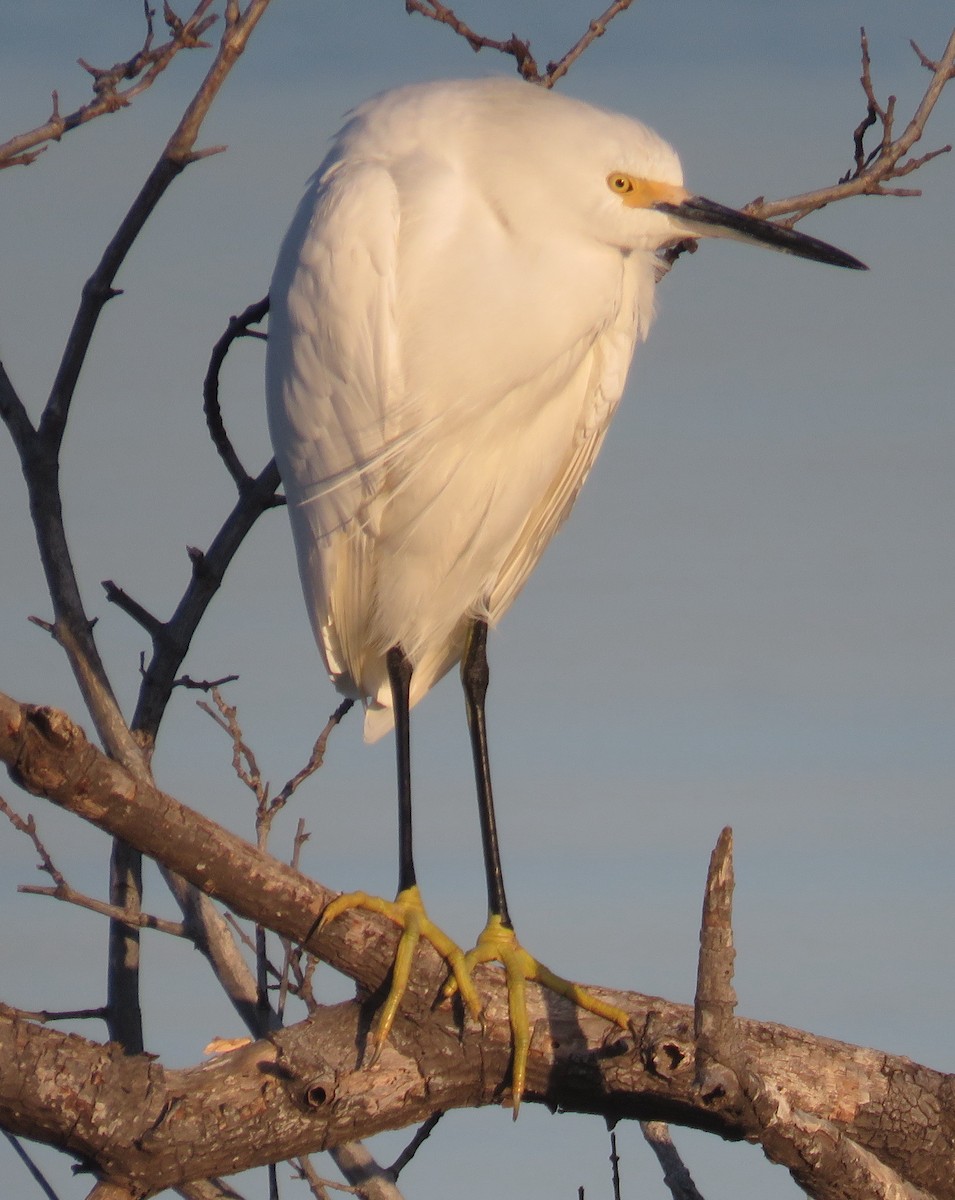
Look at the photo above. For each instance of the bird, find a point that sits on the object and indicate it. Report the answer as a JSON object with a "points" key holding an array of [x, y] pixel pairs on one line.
{"points": [[453, 314]]}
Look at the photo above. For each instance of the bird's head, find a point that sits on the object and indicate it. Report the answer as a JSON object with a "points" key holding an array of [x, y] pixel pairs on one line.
{"points": [[614, 177]]}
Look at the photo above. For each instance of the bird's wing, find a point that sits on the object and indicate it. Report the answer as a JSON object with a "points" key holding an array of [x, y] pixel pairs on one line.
{"points": [[600, 387], [332, 366]]}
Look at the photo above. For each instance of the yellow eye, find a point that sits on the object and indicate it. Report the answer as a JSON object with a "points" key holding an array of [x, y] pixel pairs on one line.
{"points": [[621, 184]]}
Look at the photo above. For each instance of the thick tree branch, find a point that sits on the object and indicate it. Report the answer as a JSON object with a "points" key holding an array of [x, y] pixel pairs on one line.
{"points": [[305, 1084]]}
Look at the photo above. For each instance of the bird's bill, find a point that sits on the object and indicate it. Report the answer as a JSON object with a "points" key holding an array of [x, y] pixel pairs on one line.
{"points": [[704, 218]]}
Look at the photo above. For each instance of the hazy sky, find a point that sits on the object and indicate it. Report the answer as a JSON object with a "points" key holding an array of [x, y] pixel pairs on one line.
{"points": [[747, 621]]}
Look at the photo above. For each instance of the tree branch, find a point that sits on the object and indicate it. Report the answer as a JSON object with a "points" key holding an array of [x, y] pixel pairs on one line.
{"points": [[238, 327], [144, 68], [873, 172], [303, 1086], [514, 46]]}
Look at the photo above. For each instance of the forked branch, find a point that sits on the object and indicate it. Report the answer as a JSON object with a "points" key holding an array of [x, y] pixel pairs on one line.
{"points": [[140, 72], [517, 48], [874, 169]]}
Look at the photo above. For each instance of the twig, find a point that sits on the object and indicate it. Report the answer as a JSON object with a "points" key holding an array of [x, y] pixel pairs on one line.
{"points": [[28, 827], [38, 1177], [597, 28], [238, 327], [422, 1134], [614, 1166], [202, 685], [243, 757], [675, 1174], [304, 1170], [873, 171], [138, 919], [516, 47], [317, 757], [519, 50], [288, 949], [132, 608], [44, 1016], [145, 67], [208, 571]]}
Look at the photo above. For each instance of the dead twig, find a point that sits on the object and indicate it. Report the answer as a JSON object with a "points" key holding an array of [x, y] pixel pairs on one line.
{"points": [[143, 69], [45, 1017], [422, 1133], [238, 327], [137, 919], [516, 47], [38, 1177], [597, 28], [675, 1174], [28, 828], [874, 170]]}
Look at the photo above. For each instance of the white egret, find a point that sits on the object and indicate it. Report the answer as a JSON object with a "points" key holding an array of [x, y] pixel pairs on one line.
{"points": [[453, 314]]}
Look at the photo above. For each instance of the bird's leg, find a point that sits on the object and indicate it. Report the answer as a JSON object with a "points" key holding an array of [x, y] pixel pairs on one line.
{"points": [[399, 676], [498, 942], [474, 678], [407, 909]]}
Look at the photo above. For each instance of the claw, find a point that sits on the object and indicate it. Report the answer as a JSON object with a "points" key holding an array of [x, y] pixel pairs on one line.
{"points": [[408, 912], [498, 943]]}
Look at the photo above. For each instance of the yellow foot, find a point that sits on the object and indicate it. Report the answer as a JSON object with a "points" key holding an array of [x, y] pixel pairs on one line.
{"points": [[498, 943], [407, 911]]}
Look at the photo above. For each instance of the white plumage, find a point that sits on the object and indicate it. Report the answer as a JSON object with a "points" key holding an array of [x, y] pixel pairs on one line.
{"points": [[453, 314]]}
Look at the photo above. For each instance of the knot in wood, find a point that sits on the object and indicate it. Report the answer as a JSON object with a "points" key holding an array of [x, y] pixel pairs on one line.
{"points": [[319, 1092]]}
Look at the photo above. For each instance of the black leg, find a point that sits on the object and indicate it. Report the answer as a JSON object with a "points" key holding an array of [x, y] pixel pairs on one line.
{"points": [[399, 674], [474, 677]]}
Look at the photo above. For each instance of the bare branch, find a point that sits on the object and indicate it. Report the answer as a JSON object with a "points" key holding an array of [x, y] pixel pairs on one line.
{"points": [[238, 327], [614, 1166], [516, 47], [317, 756], [38, 1177], [45, 1017], [132, 608], [571, 1061], [597, 28], [202, 685], [144, 68], [28, 827], [422, 1134], [874, 170], [675, 1174], [208, 571], [140, 920], [318, 1185], [519, 50]]}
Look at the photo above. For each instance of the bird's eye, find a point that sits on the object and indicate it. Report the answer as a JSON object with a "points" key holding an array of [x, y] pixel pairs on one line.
{"points": [[621, 184]]}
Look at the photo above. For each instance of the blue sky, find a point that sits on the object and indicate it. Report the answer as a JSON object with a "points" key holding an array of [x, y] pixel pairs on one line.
{"points": [[747, 621]]}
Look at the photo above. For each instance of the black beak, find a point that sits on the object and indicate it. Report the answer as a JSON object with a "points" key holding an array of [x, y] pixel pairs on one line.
{"points": [[704, 218]]}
